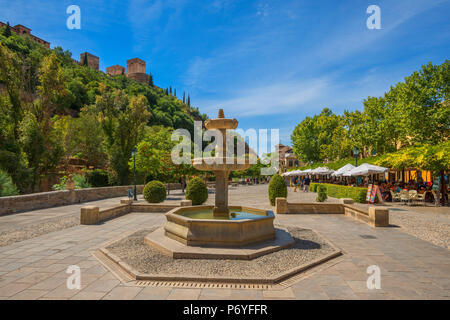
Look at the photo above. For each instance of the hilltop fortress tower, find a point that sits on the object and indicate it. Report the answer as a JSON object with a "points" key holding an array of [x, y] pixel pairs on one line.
{"points": [[135, 67], [91, 60], [136, 70], [115, 70]]}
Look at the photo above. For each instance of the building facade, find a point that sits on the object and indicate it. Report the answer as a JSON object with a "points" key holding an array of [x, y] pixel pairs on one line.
{"points": [[286, 157]]}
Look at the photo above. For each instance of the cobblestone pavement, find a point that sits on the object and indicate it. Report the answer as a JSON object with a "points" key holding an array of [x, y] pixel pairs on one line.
{"points": [[411, 268]]}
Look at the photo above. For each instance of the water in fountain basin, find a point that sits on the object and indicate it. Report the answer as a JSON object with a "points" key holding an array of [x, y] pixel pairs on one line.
{"points": [[234, 215]]}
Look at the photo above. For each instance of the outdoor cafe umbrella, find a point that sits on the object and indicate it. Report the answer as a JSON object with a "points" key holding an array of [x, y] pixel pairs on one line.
{"points": [[289, 174], [364, 170], [322, 171], [296, 173], [305, 172], [343, 170]]}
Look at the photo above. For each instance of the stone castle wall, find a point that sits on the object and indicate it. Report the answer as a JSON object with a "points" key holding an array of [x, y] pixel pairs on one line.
{"points": [[92, 61], [141, 77], [22, 30], [115, 70], [135, 65]]}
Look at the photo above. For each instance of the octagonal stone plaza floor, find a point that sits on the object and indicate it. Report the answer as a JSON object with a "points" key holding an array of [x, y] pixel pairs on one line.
{"points": [[411, 268]]}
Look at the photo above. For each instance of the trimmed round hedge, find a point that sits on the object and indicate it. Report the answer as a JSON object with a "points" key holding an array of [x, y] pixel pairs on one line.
{"points": [[321, 193], [277, 188], [154, 192], [313, 187], [196, 191]]}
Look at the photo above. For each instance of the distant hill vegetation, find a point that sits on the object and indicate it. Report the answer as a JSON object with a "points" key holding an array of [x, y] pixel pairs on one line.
{"points": [[52, 109]]}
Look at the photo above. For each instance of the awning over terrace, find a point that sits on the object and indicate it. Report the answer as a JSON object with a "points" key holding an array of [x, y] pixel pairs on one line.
{"points": [[343, 170], [364, 170], [321, 171]]}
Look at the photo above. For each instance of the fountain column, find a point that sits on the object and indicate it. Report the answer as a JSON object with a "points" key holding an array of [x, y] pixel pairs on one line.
{"points": [[220, 164], [221, 204]]}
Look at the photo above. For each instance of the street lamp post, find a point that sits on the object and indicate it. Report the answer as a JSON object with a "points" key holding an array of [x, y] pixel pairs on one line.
{"points": [[134, 153], [356, 154]]}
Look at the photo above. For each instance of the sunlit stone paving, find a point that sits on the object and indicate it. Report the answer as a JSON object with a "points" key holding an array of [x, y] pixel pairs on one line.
{"points": [[411, 267]]}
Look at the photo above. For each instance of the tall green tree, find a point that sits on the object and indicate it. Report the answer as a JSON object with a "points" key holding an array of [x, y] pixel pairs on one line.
{"points": [[39, 139], [421, 105], [150, 80], [7, 33], [123, 123], [312, 139], [85, 60]]}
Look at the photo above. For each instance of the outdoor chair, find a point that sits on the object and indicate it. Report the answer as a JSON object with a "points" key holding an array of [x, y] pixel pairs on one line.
{"points": [[412, 195], [419, 197], [404, 196], [395, 196]]}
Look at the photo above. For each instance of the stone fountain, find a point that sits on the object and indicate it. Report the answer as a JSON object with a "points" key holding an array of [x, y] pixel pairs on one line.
{"points": [[249, 231], [221, 165]]}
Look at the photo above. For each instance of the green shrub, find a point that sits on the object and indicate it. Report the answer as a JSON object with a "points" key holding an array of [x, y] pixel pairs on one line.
{"points": [[7, 187], [196, 191], [154, 192], [337, 191], [78, 179], [277, 188], [361, 197], [80, 182], [313, 187], [321, 193], [97, 178]]}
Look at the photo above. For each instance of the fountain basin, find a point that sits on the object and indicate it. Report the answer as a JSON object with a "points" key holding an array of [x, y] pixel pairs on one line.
{"points": [[197, 226], [225, 164], [221, 124]]}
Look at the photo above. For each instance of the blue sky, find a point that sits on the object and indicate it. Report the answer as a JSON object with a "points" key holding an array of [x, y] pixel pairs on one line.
{"points": [[267, 63]]}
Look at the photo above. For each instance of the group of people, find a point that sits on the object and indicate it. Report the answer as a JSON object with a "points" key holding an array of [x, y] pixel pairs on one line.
{"points": [[385, 187], [301, 183], [420, 186], [256, 180]]}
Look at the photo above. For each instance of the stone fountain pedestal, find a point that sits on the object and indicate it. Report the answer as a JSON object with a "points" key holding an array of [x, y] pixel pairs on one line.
{"points": [[221, 203]]}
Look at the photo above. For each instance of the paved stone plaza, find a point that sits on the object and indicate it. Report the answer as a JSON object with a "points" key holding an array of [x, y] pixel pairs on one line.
{"points": [[411, 268]]}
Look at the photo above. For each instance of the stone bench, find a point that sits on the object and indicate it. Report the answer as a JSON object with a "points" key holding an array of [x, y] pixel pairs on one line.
{"points": [[90, 215], [374, 216]]}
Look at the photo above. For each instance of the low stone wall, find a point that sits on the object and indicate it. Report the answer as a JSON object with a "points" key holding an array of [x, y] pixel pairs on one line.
{"points": [[153, 207], [315, 208], [356, 213], [51, 199], [92, 215], [114, 212], [91, 194], [173, 186], [375, 216]]}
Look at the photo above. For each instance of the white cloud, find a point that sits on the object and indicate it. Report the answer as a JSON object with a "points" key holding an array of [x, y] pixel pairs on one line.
{"points": [[279, 98]]}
